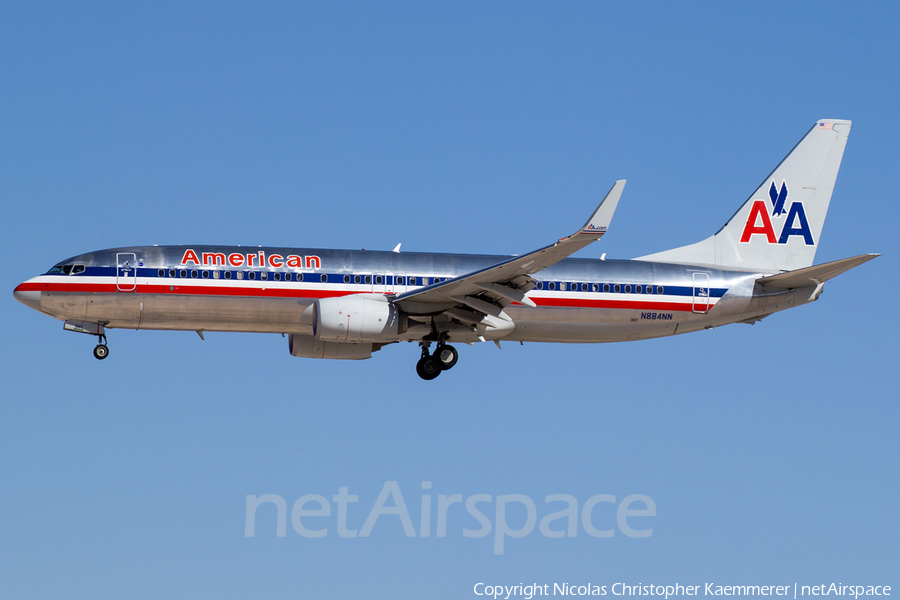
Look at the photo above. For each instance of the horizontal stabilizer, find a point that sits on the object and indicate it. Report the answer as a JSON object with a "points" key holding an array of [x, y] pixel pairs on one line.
{"points": [[816, 274]]}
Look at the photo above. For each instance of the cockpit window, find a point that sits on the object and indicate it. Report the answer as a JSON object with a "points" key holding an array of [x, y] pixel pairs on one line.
{"points": [[77, 269], [63, 269]]}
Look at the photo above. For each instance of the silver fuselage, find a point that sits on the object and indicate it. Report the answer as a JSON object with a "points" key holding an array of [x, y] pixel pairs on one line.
{"points": [[164, 287]]}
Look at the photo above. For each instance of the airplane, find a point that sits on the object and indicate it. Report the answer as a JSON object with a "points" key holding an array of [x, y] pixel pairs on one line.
{"points": [[347, 304]]}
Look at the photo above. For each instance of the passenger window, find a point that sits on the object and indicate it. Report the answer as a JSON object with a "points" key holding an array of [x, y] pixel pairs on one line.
{"points": [[299, 276], [616, 288], [379, 279], [551, 285], [368, 279], [215, 274], [628, 289], [649, 289], [638, 289], [240, 274], [171, 272], [539, 285], [606, 287], [277, 277], [263, 275], [595, 287], [324, 278], [357, 278], [412, 281], [584, 287], [183, 273], [162, 273], [194, 273], [424, 281], [346, 279], [660, 289], [562, 286], [227, 274], [205, 274], [399, 279], [251, 275]]}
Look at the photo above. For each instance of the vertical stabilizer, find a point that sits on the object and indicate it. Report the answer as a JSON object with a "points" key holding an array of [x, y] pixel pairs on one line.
{"points": [[778, 227]]}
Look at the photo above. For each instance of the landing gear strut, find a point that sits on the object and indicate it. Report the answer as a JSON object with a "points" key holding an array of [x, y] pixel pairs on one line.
{"points": [[101, 350], [430, 365]]}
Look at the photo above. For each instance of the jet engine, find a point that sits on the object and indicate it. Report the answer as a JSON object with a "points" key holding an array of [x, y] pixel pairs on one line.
{"points": [[356, 318]]}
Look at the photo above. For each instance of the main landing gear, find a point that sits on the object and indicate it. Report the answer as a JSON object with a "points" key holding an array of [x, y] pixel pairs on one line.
{"points": [[430, 365]]}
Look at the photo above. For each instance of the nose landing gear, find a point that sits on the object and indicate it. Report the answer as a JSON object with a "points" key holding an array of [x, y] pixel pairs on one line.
{"points": [[430, 365], [101, 351]]}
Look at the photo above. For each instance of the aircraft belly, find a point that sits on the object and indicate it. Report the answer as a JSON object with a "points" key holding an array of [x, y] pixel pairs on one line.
{"points": [[597, 325], [591, 325], [191, 313], [588, 333]]}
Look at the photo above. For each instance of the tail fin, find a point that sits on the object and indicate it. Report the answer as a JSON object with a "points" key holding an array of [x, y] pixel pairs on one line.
{"points": [[778, 227]]}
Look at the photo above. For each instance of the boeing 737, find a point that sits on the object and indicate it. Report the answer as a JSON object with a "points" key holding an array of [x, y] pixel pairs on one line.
{"points": [[347, 304]]}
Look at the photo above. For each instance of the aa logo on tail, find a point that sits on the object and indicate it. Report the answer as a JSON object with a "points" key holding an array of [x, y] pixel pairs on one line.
{"points": [[760, 223]]}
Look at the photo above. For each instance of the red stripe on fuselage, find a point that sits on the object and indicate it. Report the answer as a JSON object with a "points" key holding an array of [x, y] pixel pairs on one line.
{"points": [[183, 289], [282, 292], [626, 304]]}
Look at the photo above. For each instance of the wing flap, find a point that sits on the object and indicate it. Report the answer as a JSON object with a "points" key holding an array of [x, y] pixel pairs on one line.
{"points": [[816, 274]]}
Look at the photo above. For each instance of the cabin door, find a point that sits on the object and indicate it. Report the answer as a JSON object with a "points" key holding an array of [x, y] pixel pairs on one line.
{"points": [[701, 293], [126, 272]]}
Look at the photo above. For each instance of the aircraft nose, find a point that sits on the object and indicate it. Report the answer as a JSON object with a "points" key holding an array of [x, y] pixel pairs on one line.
{"points": [[30, 298]]}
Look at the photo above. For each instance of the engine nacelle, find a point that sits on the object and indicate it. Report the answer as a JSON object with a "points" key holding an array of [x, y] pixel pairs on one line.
{"points": [[306, 346], [356, 318]]}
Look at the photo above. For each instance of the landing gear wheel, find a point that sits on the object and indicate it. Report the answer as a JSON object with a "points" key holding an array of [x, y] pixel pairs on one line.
{"points": [[101, 351], [428, 367], [446, 356]]}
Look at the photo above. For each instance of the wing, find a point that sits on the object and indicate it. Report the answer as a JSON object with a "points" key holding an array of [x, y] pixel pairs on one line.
{"points": [[470, 297]]}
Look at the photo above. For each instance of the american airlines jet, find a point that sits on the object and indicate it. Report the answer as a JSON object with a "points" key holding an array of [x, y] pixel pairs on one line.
{"points": [[347, 304]]}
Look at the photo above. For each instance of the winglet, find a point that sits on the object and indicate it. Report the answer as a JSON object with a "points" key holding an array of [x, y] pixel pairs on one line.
{"points": [[600, 220]]}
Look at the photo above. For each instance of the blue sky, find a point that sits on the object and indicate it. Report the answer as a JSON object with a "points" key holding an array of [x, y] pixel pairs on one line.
{"points": [[770, 451]]}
